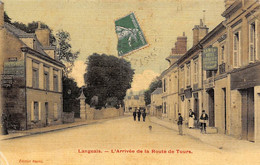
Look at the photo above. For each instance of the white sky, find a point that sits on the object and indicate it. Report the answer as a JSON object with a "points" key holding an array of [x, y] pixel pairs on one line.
{"points": [[92, 28]]}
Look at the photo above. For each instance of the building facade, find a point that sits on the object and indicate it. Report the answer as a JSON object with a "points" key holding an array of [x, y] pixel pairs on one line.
{"points": [[156, 103], [134, 102], [229, 92], [31, 77], [243, 36], [170, 78]]}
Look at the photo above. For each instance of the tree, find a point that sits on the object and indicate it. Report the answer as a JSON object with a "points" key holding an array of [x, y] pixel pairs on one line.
{"points": [[70, 94], [107, 77], [7, 18], [152, 87], [65, 53]]}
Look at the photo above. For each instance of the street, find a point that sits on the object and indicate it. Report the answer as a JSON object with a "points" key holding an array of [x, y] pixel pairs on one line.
{"points": [[118, 141]]}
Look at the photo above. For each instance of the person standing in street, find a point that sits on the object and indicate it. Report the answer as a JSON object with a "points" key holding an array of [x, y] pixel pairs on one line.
{"points": [[134, 114], [203, 119], [139, 114], [180, 120], [191, 119], [144, 115]]}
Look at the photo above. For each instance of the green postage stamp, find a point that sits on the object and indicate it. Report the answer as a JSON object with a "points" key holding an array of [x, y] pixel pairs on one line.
{"points": [[130, 35]]}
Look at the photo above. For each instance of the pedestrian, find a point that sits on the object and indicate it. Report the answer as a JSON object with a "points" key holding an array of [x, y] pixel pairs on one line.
{"points": [[134, 114], [203, 119], [139, 114], [191, 119], [144, 115], [180, 120]]}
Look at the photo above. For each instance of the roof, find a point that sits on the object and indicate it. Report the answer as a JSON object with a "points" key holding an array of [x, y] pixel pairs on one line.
{"points": [[157, 91], [37, 47], [17, 32]]}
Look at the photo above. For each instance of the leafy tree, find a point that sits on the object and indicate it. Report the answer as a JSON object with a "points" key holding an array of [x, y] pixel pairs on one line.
{"points": [[7, 18], [65, 53], [107, 77], [70, 94], [147, 94]]}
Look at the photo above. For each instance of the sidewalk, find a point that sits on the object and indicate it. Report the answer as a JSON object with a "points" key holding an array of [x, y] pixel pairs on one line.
{"points": [[220, 141], [77, 123]]}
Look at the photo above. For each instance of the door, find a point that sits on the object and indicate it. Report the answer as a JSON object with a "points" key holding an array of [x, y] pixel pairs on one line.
{"points": [[225, 109], [211, 108], [248, 114], [251, 115], [196, 108], [46, 113]]}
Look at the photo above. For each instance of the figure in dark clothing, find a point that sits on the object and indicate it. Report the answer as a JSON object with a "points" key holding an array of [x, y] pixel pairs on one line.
{"points": [[203, 119], [139, 114], [180, 120], [134, 114], [144, 115]]}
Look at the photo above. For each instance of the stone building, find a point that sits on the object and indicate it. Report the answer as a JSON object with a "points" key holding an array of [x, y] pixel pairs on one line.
{"points": [[134, 102], [169, 77], [31, 77], [243, 35], [190, 78], [220, 73], [156, 103]]}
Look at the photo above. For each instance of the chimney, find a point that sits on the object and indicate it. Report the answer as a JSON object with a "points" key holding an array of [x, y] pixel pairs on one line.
{"points": [[43, 35], [179, 49], [199, 31], [228, 3], [1, 14]]}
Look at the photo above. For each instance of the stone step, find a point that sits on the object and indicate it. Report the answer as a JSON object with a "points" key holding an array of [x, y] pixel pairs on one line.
{"points": [[212, 130]]}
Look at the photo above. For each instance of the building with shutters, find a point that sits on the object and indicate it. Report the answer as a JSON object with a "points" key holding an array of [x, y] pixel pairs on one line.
{"points": [[31, 77], [220, 73]]}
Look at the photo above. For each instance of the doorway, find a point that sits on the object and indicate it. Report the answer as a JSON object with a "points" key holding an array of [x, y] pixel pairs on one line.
{"points": [[211, 103], [46, 113], [248, 114], [225, 109]]}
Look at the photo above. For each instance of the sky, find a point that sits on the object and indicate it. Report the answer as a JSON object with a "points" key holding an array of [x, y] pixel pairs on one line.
{"points": [[91, 24]]}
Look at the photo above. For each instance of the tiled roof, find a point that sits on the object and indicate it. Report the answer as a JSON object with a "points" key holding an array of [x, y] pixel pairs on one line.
{"points": [[157, 91], [17, 32], [21, 34]]}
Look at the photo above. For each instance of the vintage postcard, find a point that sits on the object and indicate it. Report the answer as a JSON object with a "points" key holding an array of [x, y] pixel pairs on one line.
{"points": [[129, 82]]}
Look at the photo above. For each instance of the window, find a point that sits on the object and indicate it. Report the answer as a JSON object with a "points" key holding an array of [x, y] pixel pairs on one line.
{"points": [[196, 70], [35, 111], [164, 85], [222, 56], [188, 75], [35, 78], [252, 42], [164, 107], [55, 83], [236, 49], [182, 78], [46, 81], [55, 111]]}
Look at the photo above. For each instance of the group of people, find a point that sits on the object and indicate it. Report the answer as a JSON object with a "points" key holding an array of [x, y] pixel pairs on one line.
{"points": [[192, 117], [138, 114]]}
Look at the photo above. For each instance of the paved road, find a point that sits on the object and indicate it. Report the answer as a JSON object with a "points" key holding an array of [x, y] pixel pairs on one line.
{"points": [[118, 141]]}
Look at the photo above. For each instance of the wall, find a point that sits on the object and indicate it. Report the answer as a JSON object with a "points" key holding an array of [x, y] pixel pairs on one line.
{"points": [[14, 106], [68, 117], [105, 113], [41, 97]]}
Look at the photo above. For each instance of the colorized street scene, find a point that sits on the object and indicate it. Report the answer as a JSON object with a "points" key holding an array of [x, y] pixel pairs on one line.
{"points": [[129, 82]]}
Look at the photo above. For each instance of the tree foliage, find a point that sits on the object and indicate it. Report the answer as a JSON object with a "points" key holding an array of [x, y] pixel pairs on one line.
{"points": [[107, 77], [152, 87], [70, 94], [7, 18], [65, 53]]}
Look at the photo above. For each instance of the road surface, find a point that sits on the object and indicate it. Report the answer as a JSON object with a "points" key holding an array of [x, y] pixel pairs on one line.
{"points": [[118, 141]]}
